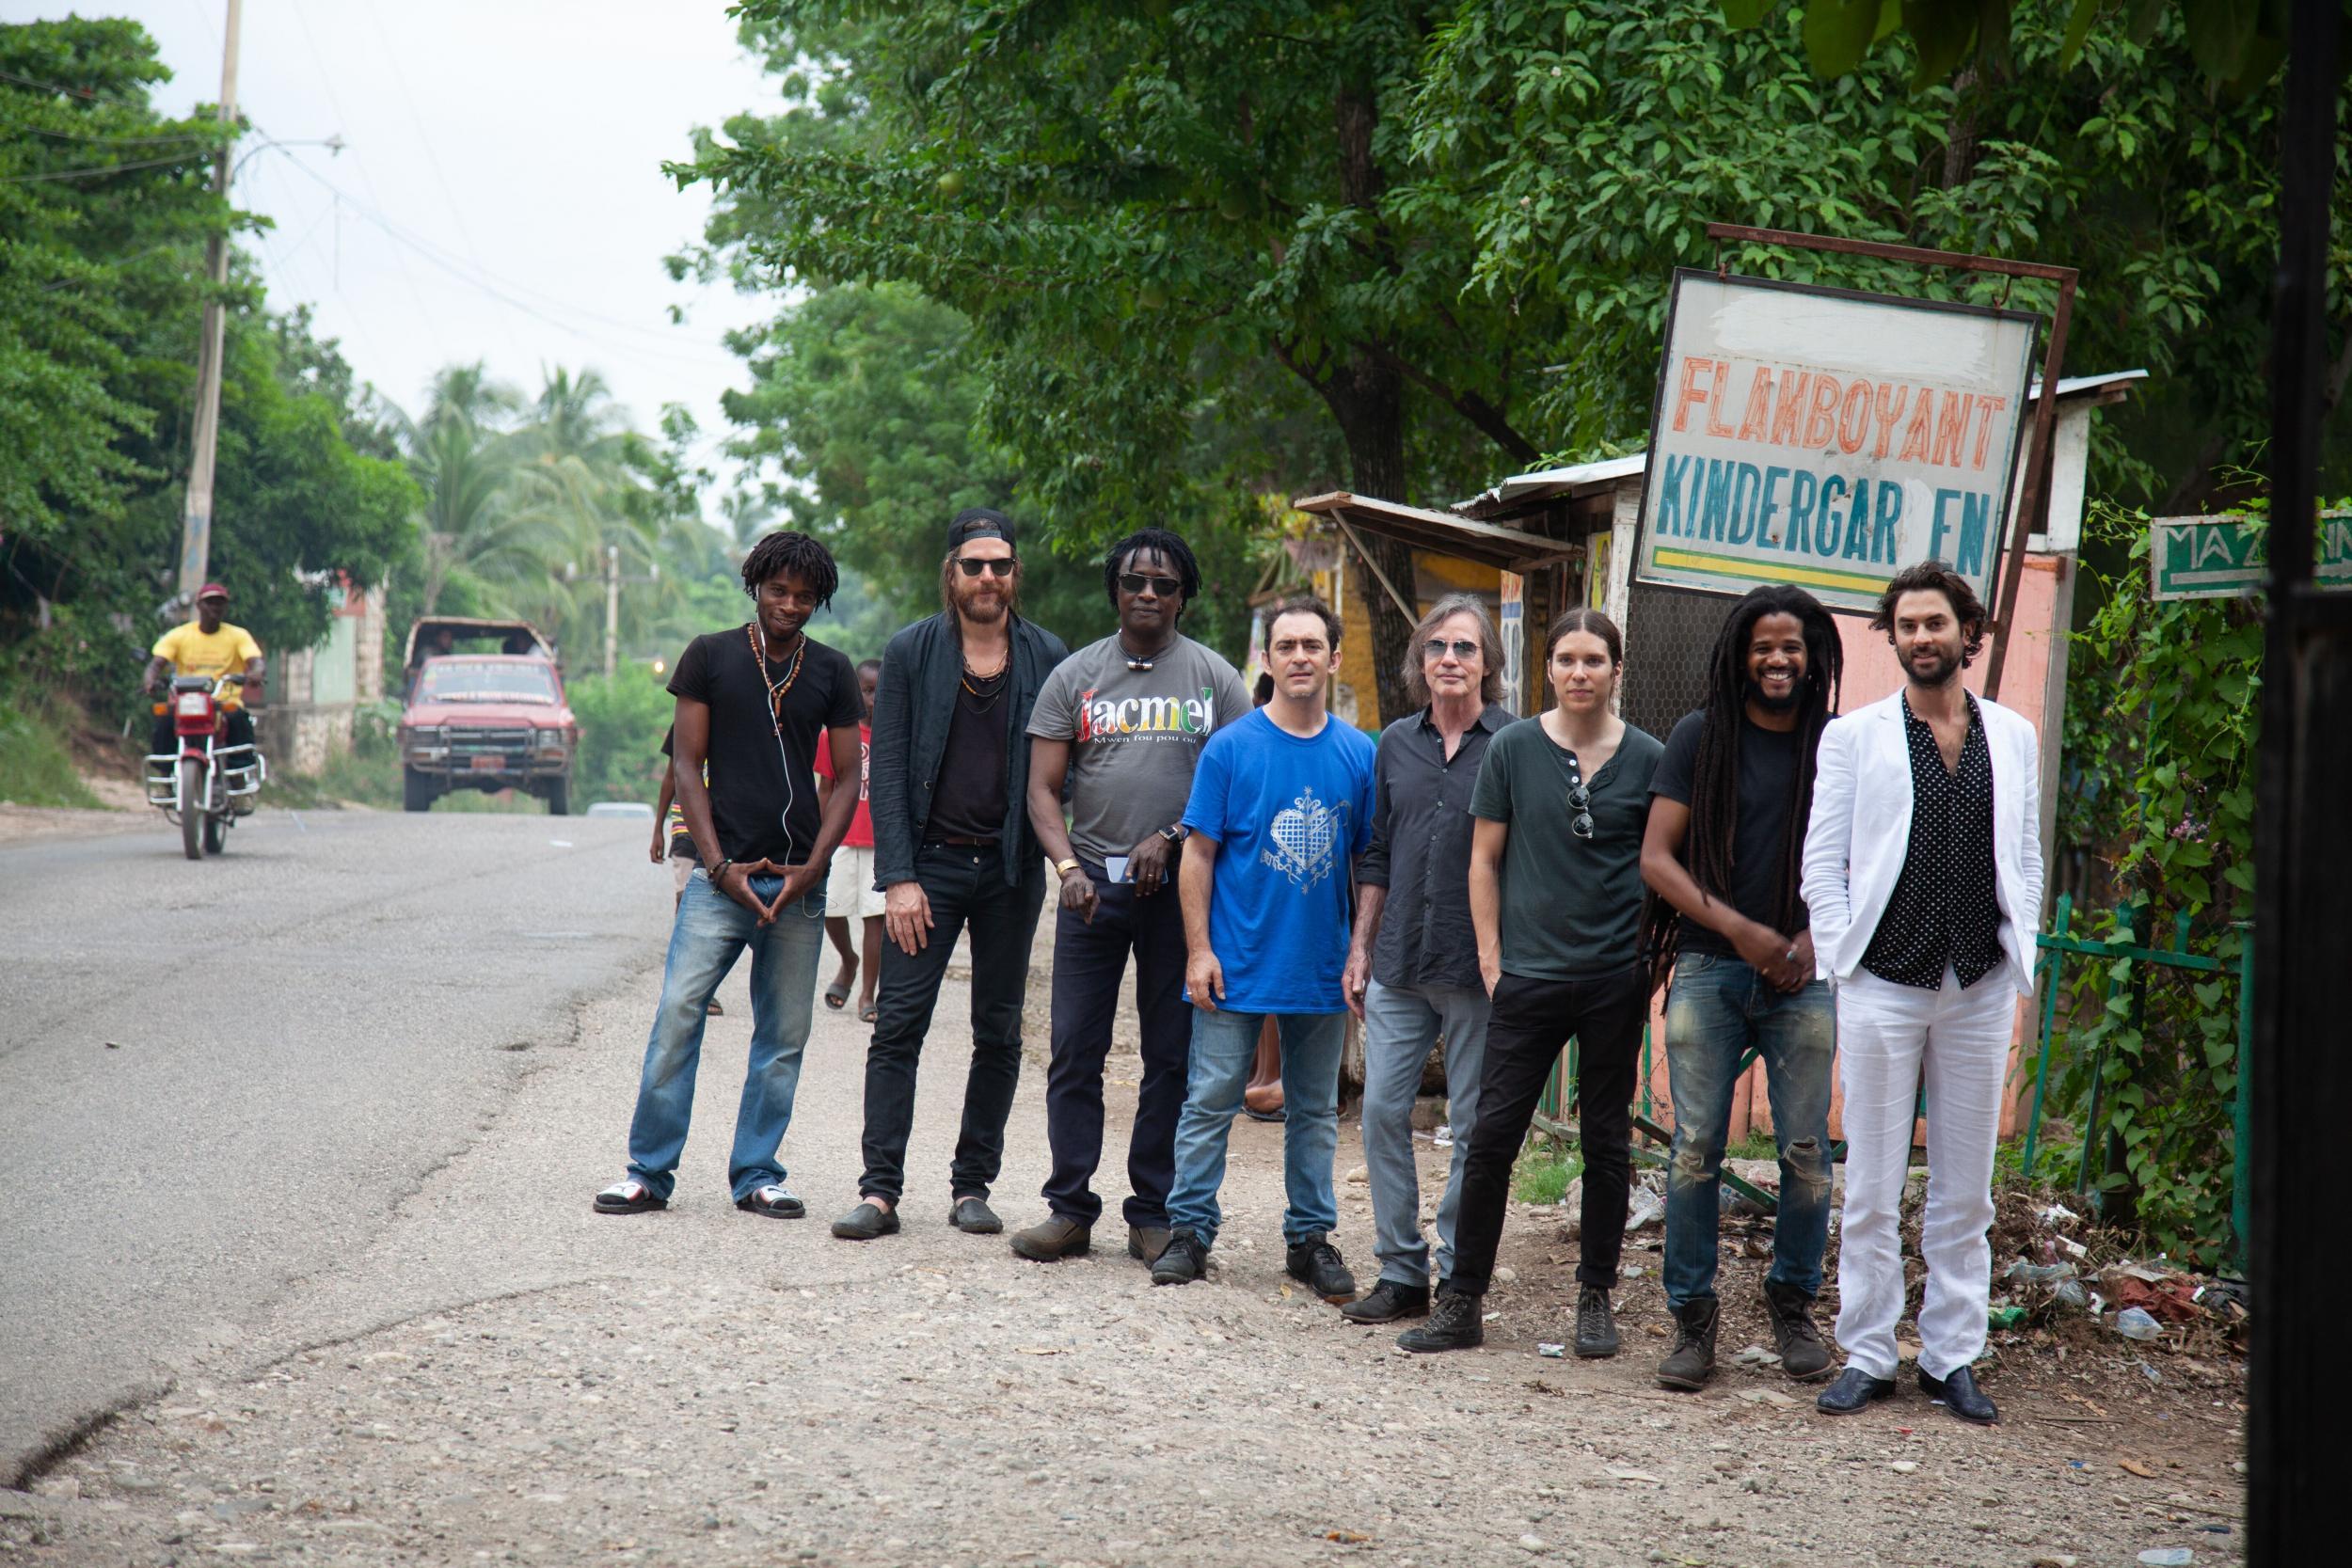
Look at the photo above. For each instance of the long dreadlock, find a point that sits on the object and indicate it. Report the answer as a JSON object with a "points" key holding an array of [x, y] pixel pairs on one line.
{"points": [[1715, 773]]}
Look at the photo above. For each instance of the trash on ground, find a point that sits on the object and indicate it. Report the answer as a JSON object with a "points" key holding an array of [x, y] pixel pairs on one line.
{"points": [[2167, 1557], [2134, 1324], [1626, 1472], [2138, 1467], [1547, 1349]]}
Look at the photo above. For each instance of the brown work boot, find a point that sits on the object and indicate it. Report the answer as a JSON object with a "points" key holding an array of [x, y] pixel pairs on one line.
{"points": [[1144, 1242], [1059, 1237], [1692, 1362], [1803, 1355]]}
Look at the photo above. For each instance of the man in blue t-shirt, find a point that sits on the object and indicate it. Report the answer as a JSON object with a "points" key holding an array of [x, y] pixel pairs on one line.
{"points": [[1280, 807]]}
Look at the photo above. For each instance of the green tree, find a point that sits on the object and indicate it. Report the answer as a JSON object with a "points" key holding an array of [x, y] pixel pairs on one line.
{"points": [[1173, 230]]}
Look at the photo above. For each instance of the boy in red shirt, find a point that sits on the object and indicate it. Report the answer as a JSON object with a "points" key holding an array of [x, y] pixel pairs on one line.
{"points": [[851, 893]]}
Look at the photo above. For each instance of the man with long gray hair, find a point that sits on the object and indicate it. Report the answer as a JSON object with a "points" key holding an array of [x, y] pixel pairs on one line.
{"points": [[1412, 970]]}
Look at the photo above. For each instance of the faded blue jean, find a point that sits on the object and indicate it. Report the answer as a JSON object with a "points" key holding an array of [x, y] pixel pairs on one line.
{"points": [[1718, 1009], [1401, 1023], [710, 931], [1223, 1046]]}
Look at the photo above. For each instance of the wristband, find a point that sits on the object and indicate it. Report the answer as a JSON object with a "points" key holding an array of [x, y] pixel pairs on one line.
{"points": [[720, 869], [1063, 868]]}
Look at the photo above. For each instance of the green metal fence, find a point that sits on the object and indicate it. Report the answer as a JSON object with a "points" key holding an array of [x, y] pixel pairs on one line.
{"points": [[2059, 944]]}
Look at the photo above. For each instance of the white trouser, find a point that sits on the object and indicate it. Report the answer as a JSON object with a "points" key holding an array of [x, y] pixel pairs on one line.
{"points": [[1889, 1035]]}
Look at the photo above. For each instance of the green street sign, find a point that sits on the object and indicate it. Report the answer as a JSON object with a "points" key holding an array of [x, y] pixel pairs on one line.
{"points": [[2221, 558]]}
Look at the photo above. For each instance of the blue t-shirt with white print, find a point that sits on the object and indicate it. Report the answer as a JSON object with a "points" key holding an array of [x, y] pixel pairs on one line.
{"points": [[1288, 815]]}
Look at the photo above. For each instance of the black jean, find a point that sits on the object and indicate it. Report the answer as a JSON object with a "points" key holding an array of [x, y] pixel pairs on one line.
{"points": [[966, 884], [1089, 966], [1533, 1021]]}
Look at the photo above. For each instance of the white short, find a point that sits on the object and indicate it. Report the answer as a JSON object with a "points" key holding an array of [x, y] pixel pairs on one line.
{"points": [[850, 891], [682, 870]]}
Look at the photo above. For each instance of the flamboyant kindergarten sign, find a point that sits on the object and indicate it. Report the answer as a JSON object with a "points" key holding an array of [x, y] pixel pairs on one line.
{"points": [[2222, 557], [1829, 438]]}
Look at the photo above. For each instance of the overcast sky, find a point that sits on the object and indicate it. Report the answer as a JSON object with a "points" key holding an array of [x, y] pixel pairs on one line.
{"points": [[514, 148]]}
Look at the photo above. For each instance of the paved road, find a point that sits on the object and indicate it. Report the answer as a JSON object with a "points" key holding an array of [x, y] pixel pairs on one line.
{"points": [[217, 1079]]}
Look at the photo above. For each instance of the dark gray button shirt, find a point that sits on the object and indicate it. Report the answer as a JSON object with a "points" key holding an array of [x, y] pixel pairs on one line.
{"points": [[1946, 908], [1420, 845]]}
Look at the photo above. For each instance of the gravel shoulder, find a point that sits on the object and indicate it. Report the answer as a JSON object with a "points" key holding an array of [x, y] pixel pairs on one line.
{"points": [[501, 1375]]}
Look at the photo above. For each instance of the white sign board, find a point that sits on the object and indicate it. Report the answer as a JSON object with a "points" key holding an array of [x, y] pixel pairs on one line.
{"points": [[1830, 438]]}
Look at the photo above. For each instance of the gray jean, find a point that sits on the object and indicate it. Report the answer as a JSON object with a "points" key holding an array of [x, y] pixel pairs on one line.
{"points": [[1400, 1025]]}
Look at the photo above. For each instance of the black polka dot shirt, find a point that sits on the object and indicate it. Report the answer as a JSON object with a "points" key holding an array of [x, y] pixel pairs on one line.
{"points": [[1946, 909]]}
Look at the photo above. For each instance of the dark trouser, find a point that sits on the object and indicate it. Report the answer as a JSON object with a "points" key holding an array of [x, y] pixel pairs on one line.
{"points": [[164, 740], [1089, 963], [966, 884], [1533, 1021]]}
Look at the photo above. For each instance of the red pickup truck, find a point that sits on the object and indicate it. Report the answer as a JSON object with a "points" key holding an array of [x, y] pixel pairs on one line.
{"points": [[484, 710]]}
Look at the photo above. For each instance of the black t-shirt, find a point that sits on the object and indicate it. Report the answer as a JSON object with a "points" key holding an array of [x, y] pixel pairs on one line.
{"points": [[969, 800], [1769, 762], [763, 788]]}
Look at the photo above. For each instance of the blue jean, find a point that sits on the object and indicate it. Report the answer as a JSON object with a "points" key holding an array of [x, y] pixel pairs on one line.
{"points": [[711, 929], [1401, 1022], [1224, 1044], [1718, 1009]]}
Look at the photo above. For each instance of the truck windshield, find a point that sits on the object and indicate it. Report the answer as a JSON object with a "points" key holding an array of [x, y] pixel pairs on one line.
{"points": [[466, 680]]}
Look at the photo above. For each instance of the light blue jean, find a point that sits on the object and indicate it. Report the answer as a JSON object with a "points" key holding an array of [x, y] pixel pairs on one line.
{"points": [[710, 931], [1719, 1008], [1401, 1023], [1224, 1044]]}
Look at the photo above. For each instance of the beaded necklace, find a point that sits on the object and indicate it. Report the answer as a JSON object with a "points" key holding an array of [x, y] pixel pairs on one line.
{"points": [[776, 690]]}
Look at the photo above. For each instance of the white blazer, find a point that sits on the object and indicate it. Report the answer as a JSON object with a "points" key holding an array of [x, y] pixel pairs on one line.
{"points": [[1860, 831]]}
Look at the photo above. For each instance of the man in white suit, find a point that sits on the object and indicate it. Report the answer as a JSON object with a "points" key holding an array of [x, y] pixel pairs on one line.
{"points": [[1923, 875]]}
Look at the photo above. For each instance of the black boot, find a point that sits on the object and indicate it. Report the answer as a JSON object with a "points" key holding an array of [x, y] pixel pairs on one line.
{"points": [[1803, 1355], [1692, 1362], [1456, 1322], [1596, 1324], [1853, 1392]]}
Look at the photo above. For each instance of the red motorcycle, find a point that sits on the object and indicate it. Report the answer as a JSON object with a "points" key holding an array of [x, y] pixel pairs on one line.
{"points": [[207, 783]]}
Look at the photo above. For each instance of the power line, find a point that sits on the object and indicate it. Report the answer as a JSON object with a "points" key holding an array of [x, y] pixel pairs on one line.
{"points": [[93, 171], [327, 79], [118, 141]]}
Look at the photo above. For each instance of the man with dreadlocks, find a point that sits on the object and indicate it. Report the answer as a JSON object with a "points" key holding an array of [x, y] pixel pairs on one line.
{"points": [[758, 699], [1724, 852], [1122, 724]]}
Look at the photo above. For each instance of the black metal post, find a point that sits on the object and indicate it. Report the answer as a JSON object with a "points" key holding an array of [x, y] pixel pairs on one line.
{"points": [[2299, 1379]]}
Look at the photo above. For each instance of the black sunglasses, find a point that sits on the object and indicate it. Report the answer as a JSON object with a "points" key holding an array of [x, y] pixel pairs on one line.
{"points": [[1580, 803], [1436, 647], [1001, 565], [1133, 582]]}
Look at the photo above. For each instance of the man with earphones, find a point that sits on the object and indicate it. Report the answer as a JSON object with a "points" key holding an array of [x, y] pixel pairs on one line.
{"points": [[757, 700], [948, 788]]}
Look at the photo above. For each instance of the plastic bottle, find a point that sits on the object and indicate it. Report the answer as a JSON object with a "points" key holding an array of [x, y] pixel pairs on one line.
{"points": [[2134, 1324]]}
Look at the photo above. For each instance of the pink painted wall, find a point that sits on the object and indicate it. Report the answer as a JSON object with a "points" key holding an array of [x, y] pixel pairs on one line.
{"points": [[1870, 674]]}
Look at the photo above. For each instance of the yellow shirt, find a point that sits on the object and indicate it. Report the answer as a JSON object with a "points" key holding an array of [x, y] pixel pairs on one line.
{"points": [[225, 652]]}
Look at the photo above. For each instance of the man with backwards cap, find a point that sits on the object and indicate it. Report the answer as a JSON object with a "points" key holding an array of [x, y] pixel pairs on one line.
{"points": [[208, 645], [948, 786]]}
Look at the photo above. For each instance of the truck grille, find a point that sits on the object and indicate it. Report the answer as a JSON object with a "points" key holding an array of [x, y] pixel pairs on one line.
{"points": [[471, 743]]}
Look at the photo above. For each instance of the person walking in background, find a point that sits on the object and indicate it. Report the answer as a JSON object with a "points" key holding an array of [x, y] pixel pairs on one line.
{"points": [[953, 846], [1555, 895], [1280, 807], [1727, 815], [761, 698], [1122, 724], [1923, 875], [1412, 970], [670, 837], [849, 892]]}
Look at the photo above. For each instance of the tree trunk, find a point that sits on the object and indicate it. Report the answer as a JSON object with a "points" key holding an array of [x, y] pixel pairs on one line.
{"points": [[1366, 394], [1368, 398]]}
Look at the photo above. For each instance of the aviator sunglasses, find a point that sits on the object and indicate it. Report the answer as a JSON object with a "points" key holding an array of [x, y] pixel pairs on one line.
{"points": [[995, 566], [1436, 647]]}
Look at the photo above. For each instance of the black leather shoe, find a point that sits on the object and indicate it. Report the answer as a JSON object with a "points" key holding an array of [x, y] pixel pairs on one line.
{"points": [[865, 1222], [1456, 1322], [1960, 1395], [1853, 1392], [1388, 1301], [1185, 1258], [1316, 1263], [973, 1217]]}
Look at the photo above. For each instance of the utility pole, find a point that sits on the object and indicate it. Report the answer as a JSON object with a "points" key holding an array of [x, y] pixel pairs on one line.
{"points": [[195, 533], [612, 609]]}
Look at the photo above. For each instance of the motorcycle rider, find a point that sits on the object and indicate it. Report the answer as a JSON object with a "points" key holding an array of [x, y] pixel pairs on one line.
{"points": [[209, 646]]}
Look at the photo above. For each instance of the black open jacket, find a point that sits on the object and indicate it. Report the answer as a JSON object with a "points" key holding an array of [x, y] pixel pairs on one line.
{"points": [[912, 707]]}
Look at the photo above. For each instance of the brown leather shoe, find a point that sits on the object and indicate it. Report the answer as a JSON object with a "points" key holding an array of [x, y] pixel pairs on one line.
{"points": [[1056, 1238], [1144, 1242]]}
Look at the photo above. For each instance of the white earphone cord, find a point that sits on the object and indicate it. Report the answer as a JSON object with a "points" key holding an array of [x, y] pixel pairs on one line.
{"points": [[775, 724]]}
